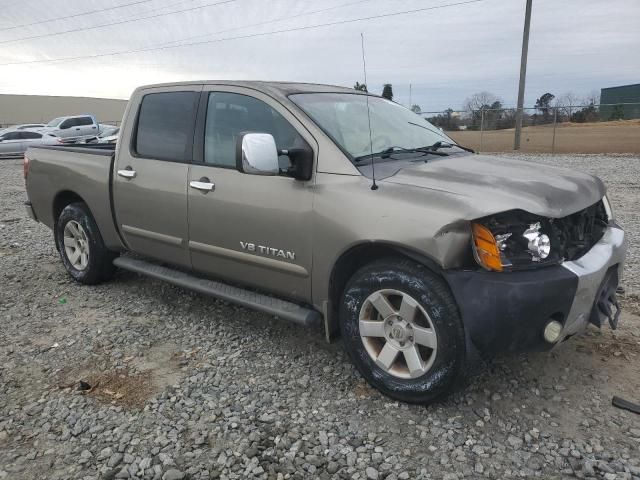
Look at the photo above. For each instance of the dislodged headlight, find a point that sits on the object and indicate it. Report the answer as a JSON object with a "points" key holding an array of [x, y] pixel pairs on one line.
{"points": [[539, 244], [513, 241]]}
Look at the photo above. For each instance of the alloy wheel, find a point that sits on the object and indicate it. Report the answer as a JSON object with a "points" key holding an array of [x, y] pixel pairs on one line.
{"points": [[398, 334], [76, 245]]}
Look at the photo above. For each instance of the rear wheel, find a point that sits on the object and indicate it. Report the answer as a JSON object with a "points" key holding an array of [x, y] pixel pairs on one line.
{"points": [[402, 329], [81, 247]]}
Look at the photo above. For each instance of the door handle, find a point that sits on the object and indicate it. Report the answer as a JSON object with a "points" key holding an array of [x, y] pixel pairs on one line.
{"points": [[127, 173], [204, 185], [78, 128]]}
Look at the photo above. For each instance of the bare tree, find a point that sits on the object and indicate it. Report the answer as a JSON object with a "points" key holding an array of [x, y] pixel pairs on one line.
{"points": [[567, 104], [480, 100], [592, 98], [360, 86], [481, 106]]}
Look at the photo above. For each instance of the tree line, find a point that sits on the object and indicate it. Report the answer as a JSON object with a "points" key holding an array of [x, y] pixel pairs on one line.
{"points": [[486, 110]]}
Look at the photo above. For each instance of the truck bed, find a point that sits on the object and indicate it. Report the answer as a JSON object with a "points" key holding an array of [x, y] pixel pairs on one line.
{"points": [[86, 170]]}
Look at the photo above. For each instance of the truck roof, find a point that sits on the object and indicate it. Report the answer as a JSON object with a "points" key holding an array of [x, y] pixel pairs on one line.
{"points": [[273, 88]]}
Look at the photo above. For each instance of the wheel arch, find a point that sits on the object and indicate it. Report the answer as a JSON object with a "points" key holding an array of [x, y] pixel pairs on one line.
{"points": [[64, 198], [355, 258], [106, 225]]}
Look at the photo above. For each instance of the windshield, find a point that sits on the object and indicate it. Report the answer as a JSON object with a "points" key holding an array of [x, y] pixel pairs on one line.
{"points": [[343, 116], [55, 122]]}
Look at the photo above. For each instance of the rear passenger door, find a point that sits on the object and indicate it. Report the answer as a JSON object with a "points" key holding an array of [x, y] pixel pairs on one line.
{"points": [[150, 181], [30, 138], [86, 126]]}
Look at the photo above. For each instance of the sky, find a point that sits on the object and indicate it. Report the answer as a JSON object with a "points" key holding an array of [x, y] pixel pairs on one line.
{"points": [[446, 53]]}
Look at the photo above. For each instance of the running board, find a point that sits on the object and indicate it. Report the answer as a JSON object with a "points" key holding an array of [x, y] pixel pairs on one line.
{"points": [[246, 298]]}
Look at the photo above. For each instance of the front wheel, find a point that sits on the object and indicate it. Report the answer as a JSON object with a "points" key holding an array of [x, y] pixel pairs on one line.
{"points": [[402, 330], [81, 247]]}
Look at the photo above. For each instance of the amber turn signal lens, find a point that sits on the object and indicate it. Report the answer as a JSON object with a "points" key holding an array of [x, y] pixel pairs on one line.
{"points": [[486, 248]]}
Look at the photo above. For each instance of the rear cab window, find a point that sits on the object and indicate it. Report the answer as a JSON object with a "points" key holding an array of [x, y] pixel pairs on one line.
{"points": [[84, 121], [164, 128]]}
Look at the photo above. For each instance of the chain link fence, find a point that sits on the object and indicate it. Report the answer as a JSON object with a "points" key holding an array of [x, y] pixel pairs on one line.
{"points": [[593, 128]]}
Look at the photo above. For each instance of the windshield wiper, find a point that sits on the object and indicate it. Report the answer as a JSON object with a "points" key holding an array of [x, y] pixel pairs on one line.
{"points": [[440, 144], [387, 152]]}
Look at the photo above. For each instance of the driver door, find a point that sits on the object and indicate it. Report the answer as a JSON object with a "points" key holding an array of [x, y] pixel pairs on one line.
{"points": [[249, 229]]}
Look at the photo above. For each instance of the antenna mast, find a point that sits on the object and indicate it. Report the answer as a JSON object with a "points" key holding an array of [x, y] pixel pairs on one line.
{"points": [[364, 68]]}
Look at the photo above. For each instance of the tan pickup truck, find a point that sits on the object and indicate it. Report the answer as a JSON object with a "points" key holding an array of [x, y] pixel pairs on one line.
{"points": [[323, 205]]}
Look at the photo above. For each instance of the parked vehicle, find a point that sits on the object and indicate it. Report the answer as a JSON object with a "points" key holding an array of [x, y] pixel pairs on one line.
{"points": [[24, 126], [13, 143], [73, 128], [109, 134], [324, 204]]}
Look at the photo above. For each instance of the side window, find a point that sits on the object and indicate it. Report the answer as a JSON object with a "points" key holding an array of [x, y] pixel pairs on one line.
{"points": [[165, 125], [68, 123], [229, 114], [84, 121], [11, 136], [30, 135]]}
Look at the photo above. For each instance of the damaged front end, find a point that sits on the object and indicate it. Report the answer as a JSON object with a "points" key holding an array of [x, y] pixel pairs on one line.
{"points": [[518, 240], [542, 279]]}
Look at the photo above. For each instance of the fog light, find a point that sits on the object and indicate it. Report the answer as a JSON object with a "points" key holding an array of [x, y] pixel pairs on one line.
{"points": [[552, 331]]}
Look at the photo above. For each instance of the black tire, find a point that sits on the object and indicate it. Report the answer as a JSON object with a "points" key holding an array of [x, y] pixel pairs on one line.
{"points": [[436, 299], [100, 259]]}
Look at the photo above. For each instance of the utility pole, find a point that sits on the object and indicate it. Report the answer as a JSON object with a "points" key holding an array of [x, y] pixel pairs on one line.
{"points": [[523, 75]]}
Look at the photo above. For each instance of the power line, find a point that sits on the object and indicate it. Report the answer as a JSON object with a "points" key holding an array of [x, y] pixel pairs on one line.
{"points": [[116, 23], [266, 22], [258, 24], [75, 15], [239, 37]]}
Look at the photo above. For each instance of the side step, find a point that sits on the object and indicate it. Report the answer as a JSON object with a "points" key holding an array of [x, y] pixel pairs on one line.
{"points": [[246, 298]]}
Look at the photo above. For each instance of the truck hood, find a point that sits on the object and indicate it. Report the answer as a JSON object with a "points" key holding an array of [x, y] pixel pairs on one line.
{"points": [[491, 184]]}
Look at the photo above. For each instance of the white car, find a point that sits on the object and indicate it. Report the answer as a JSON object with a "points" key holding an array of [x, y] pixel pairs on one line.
{"points": [[14, 143], [75, 127], [24, 126]]}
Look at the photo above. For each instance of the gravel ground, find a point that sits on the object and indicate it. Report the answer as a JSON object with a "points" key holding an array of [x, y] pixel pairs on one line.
{"points": [[182, 386]]}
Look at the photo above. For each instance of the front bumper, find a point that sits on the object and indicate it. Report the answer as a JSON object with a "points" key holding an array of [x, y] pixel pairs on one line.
{"points": [[508, 311]]}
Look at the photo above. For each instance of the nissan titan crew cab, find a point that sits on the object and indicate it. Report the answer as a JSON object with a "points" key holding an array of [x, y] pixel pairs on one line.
{"points": [[420, 254]]}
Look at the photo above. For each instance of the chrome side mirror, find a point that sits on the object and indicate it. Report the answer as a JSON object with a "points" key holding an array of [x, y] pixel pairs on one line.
{"points": [[256, 154]]}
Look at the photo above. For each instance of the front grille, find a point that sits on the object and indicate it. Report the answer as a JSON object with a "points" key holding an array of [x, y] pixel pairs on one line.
{"points": [[575, 234]]}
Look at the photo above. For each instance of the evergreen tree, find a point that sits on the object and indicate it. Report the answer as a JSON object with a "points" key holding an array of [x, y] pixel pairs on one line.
{"points": [[387, 91]]}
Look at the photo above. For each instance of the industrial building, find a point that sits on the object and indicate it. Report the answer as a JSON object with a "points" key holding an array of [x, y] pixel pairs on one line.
{"points": [[614, 102], [15, 109]]}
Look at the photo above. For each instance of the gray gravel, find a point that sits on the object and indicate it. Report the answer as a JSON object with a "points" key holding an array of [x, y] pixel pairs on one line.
{"points": [[185, 387]]}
